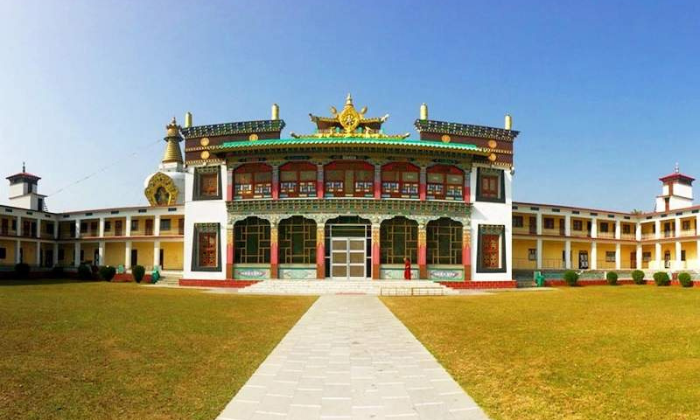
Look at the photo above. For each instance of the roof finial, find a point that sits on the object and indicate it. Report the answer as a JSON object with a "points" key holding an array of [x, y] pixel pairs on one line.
{"points": [[24, 167], [348, 100], [678, 169]]}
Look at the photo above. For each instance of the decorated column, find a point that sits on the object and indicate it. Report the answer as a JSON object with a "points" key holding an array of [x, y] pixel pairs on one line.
{"points": [[320, 249], [275, 181], [229, 184], [376, 249], [422, 251], [467, 252], [274, 250], [467, 185], [229, 251], [377, 181], [423, 184]]}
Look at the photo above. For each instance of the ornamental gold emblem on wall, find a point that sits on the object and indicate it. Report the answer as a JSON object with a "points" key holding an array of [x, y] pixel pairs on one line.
{"points": [[161, 190]]}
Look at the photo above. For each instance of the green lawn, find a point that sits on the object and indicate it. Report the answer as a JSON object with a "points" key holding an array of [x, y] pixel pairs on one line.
{"points": [[629, 352], [123, 351]]}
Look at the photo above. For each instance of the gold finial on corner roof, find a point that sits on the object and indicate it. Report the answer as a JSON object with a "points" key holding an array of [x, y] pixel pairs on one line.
{"points": [[678, 168], [348, 100]]}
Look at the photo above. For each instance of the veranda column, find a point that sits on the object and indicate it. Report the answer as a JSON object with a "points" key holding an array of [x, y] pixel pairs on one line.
{"points": [[376, 250], [618, 257], [467, 251], [657, 229], [538, 222], [377, 181], [127, 255], [275, 181], [102, 227], [156, 225], [639, 257], [679, 252], [38, 229], [423, 183], [539, 254], [76, 254], [422, 252], [697, 254], [274, 250], [594, 228], [594, 256], [567, 254], [19, 226], [101, 253], [77, 228], [37, 258], [18, 251], [638, 232], [320, 192], [230, 252], [618, 229], [55, 254], [127, 228], [320, 250], [567, 225], [156, 254], [657, 254]]}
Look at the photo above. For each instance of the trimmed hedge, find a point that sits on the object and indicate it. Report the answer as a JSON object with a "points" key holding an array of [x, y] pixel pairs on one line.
{"points": [[661, 278], [107, 272], [571, 278], [84, 272], [22, 271], [138, 272], [611, 277], [685, 280], [638, 277]]}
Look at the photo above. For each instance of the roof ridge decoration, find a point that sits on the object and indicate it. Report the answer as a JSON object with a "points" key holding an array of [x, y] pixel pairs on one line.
{"points": [[467, 130], [231, 128], [349, 122]]}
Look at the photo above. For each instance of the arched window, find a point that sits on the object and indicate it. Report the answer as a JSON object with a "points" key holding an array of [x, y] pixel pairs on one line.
{"points": [[297, 241], [298, 179], [445, 182], [400, 180], [251, 241], [349, 179], [444, 241], [252, 180], [398, 239]]}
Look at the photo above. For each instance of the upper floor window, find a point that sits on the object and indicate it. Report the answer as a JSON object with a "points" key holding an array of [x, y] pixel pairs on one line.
{"points": [[548, 223], [626, 229], [253, 180], [578, 225], [603, 227], [349, 179], [400, 180], [518, 221], [298, 179], [445, 182], [164, 224], [207, 183], [686, 225], [490, 185]]}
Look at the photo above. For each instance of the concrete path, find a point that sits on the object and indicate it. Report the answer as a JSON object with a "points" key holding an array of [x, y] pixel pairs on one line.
{"points": [[349, 357]]}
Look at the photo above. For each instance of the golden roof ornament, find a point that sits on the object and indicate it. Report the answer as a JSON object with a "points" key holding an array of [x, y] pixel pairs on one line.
{"points": [[172, 139]]}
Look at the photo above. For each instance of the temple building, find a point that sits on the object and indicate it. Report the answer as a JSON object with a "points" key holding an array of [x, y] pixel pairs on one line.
{"points": [[240, 202]]}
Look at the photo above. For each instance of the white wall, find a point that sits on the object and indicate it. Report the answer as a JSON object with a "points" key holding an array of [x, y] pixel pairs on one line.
{"points": [[492, 214], [205, 211]]}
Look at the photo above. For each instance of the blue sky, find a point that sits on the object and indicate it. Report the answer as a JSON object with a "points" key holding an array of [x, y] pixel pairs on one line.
{"points": [[605, 94]]}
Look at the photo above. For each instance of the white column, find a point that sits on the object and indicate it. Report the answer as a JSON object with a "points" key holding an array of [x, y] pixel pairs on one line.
{"points": [[567, 254], [677, 227], [37, 258], [127, 256], [77, 228], [76, 251], [679, 262], [657, 228], [156, 226], [639, 257], [594, 256], [539, 223], [618, 229], [55, 253], [19, 225], [127, 228], [567, 225], [697, 255], [38, 228], [18, 247], [697, 226], [539, 254], [101, 233], [156, 254], [638, 231], [101, 252], [594, 228], [618, 257], [657, 254], [56, 226]]}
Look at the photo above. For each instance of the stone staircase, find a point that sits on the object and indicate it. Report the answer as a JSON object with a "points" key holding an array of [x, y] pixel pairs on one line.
{"points": [[169, 278], [336, 287]]}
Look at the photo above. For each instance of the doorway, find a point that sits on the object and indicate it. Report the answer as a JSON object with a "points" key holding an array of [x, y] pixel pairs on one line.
{"points": [[583, 260], [348, 258]]}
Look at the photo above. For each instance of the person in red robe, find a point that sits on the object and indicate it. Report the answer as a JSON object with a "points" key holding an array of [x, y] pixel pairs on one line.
{"points": [[406, 269]]}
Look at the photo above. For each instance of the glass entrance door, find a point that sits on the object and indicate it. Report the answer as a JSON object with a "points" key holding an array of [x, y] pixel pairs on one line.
{"points": [[348, 258]]}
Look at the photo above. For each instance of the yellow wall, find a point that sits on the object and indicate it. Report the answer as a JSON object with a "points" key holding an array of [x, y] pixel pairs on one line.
{"points": [[114, 253], [691, 253], [577, 247], [520, 254], [88, 252], [145, 253], [9, 252], [626, 255], [173, 255], [68, 257], [552, 254], [28, 252], [602, 249]]}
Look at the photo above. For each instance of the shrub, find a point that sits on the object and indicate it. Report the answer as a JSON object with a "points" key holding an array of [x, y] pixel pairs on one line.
{"points": [[138, 272], [661, 278], [611, 277], [638, 277], [685, 280], [571, 278], [84, 272], [57, 272], [22, 271], [107, 272]]}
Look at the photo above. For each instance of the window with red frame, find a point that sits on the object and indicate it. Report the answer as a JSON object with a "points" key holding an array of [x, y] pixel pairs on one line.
{"points": [[445, 183], [298, 180], [252, 181], [490, 185], [400, 180], [491, 249], [349, 179]]}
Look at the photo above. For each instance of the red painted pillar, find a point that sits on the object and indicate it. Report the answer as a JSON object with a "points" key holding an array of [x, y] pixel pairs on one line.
{"points": [[320, 251], [229, 185], [275, 182], [467, 187], [229, 253], [376, 251], [274, 251], [467, 254], [422, 253], [423, 185], [319, 182], [377, 182]]}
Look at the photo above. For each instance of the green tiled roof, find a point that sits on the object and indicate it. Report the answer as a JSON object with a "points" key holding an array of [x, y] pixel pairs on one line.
{"points": [[468, 130], [408, 143], [243, 127]]}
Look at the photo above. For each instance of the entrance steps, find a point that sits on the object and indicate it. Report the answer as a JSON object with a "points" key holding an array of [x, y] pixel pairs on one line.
{"points": [[169, 278], [341, 287]]}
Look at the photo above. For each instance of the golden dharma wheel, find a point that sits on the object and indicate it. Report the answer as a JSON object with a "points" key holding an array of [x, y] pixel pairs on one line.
{"points": [[253, 137], [204, 141], [492, 144], [492, 157], [205, 154], [445, 138]]}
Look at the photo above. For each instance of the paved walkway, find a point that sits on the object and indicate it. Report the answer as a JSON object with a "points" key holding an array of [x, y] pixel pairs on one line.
{"points": [[349, 357]]}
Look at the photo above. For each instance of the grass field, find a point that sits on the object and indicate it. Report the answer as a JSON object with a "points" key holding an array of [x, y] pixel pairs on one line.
{"points": [[630, 352], [122, 351]]}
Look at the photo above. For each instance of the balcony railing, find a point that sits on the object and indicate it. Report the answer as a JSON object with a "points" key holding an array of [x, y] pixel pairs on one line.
{"points": [[581, 233], [553, 232], [688, 232], [606, 235], [628, 236]]}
